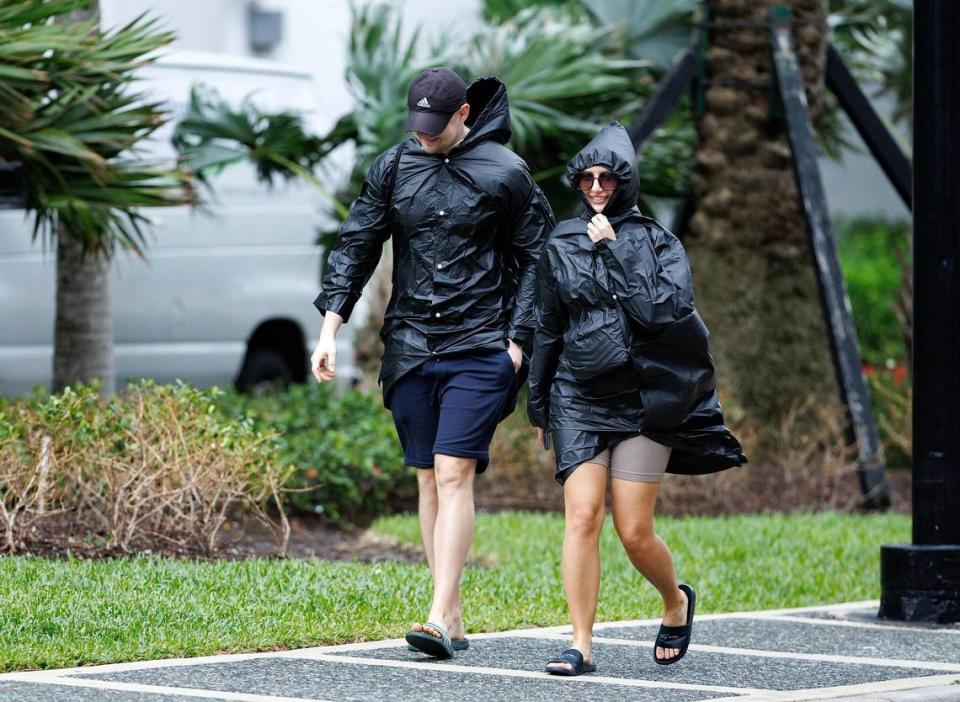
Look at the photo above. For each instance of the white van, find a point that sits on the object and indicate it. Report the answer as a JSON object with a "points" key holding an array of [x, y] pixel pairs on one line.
{"points": [[223, 295]]}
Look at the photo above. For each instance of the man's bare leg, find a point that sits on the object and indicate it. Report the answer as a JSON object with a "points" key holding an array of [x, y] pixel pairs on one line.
{"points": [[452, 535], [427, 510]]}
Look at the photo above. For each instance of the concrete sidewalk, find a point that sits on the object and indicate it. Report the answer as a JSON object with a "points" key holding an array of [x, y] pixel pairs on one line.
{"points": [[840, 652]]}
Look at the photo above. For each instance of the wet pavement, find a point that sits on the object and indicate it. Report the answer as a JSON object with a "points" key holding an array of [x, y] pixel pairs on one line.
{"points": [[831, 652]]}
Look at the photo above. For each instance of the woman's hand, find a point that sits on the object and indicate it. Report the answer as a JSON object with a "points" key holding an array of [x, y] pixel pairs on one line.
{"points": [[599, 228], [540, 435]]}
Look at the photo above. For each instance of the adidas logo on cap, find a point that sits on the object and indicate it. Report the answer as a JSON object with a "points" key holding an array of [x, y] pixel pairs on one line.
{"points": [[423, 102]]}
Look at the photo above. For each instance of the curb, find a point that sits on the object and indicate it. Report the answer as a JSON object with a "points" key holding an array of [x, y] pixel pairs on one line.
{"points": [[938, 693]]}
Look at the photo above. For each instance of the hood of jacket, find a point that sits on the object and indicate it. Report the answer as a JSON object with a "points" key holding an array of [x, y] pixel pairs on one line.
{"points": [[489, 111], [611, 148]]}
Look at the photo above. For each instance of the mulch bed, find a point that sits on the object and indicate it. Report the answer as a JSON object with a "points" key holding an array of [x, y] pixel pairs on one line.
{"points": [[754, 488], [310, 537], [751, 489], [242, 538]]}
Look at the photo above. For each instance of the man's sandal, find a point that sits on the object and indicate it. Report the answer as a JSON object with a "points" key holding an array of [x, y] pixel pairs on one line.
{"points": [[574, 659], [458, 645], [431, 645], [676, 636]]}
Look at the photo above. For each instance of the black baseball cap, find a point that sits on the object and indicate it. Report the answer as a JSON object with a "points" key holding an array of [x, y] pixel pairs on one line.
{"points": [[434, 95]]}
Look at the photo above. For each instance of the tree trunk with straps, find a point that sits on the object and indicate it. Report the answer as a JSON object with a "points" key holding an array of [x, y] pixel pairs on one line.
{"points": [[747, 238]]}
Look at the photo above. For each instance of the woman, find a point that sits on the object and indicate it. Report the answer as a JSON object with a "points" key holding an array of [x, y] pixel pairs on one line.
{"points": [[622, 378]]}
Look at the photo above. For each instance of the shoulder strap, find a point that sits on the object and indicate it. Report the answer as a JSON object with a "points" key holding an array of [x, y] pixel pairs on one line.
{"points": [[392, 182]]}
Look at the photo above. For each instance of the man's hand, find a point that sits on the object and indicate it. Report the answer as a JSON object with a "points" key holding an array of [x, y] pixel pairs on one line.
{"points": [[516, 354], [599, 228], [323, 362]]}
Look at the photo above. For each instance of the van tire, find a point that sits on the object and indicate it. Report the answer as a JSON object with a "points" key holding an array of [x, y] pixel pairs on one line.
{"points": [[263, 368]]}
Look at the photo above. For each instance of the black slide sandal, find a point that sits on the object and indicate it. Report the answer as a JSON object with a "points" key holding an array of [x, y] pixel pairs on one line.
{"points": [[429, 644], [574, 658], [458, 645], [676, 636]]}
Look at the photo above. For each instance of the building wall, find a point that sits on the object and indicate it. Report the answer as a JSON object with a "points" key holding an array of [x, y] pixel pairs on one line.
{"points": [[856, 185], [314, 32]]}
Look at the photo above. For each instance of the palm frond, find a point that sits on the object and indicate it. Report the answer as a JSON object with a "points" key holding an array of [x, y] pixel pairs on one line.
{"points": [[69, 118], [212, 135], [652, 30]]}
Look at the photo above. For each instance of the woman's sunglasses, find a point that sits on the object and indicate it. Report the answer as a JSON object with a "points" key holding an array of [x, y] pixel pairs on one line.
{"points": [[608, 181]]}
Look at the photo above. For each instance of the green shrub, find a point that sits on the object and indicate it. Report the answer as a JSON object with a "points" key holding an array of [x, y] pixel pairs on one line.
{"points": [[870, 252], [152, 467], [892, 399], [347, 462]]}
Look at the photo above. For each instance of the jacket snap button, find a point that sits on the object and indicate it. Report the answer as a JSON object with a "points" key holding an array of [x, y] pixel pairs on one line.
{"points": [[439, 266], [437, 314], [446, 160], [614, 297], [441, 213]]}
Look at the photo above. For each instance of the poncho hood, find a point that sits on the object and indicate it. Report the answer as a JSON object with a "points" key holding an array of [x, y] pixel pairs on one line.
{"points": [[611, 148], [489, 111]]}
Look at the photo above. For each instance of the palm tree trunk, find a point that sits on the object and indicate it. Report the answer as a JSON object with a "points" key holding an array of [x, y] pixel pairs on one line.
{"points": [[83, 329], [747, 241]]}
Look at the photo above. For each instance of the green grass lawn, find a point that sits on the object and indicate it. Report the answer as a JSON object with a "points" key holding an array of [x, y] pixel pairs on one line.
{"points": [[65, 613]]}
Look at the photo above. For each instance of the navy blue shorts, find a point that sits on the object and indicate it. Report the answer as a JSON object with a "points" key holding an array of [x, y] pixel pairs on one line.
{"points": [[451, 405]]}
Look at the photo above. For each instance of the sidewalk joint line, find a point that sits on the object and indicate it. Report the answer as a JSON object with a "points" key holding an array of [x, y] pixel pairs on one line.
{"points": [[156, 689], [824, 657], [859, 624]]}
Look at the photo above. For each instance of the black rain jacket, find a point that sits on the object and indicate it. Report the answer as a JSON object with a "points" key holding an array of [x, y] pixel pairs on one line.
{"points": [[619, 347], [467, 228]]}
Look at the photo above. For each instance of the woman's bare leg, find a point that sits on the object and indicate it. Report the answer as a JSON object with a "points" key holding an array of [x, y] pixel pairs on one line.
{"points": [[584, 494], [633, 504]]}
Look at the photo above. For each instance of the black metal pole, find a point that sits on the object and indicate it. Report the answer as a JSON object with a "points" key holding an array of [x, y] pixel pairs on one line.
{"points": [[844, 346], [921, 581], [668, 93]]}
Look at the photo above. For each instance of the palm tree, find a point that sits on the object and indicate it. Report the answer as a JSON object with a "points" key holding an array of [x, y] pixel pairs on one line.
{"points": [[652, 30], [71, 125], [876, 40], [747, 239]]}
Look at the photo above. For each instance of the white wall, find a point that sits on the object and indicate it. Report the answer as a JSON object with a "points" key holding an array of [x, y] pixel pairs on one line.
{"points": [[857, 185], [314, 32]]}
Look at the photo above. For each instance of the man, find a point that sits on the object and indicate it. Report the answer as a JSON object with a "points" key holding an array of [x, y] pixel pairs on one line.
{"points": [[468, 223]]}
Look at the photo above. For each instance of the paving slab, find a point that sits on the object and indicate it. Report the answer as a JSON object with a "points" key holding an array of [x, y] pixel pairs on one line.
{"points": [[808, 637], [347, 682], [698, 668], [939, 693]]}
